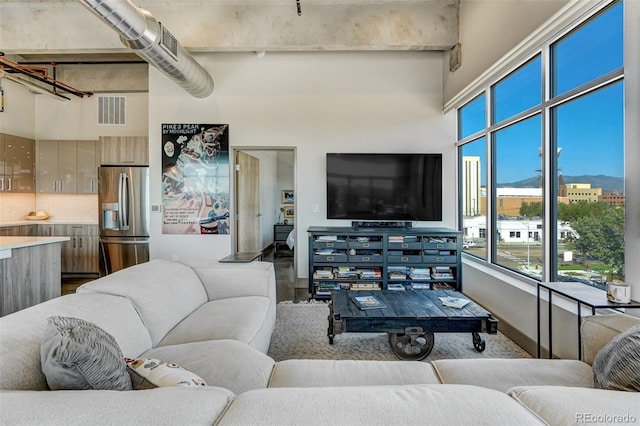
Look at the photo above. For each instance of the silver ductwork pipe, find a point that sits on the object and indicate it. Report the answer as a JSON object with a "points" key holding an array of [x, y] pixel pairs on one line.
{"points": [[142, 33]]}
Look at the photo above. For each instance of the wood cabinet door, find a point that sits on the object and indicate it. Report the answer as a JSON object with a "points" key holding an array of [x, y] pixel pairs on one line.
{"points": [[19, 162], [47, 166], [87, 167], [68, 166], [124, 150]]}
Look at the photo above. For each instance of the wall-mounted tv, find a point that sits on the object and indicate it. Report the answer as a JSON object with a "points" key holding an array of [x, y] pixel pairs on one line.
{"points": [[384, 187]]}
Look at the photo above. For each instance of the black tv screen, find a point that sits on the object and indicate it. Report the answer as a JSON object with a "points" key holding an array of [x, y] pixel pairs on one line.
{"points": [[384, 187]]}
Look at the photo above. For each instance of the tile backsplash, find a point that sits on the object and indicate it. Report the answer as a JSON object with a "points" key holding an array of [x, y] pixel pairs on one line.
{"points": [[15, 206], [72, 207]]}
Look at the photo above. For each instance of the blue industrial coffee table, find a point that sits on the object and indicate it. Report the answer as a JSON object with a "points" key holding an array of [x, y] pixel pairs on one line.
{"points": [[410, 318]]}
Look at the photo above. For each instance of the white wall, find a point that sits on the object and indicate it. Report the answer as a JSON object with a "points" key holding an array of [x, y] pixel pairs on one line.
{"points": [[316, 102], [78, 118], [18, 117], [488, 30]]}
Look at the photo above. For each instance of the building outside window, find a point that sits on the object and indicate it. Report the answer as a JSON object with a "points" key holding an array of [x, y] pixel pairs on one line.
{"points": [[542, 149]]}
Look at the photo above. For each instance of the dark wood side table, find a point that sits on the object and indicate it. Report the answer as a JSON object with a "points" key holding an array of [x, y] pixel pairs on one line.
{"points": [[582, 294]]}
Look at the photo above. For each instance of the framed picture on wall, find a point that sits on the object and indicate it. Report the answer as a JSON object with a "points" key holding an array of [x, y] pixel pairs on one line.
{"points": [[288, 212], [287, 196]]}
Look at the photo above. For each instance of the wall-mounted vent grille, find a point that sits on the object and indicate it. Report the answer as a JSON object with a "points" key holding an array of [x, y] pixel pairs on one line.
{"points": [[169, 42], [111, 110]]}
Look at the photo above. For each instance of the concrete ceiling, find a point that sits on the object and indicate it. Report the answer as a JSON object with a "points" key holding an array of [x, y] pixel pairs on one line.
{"points": [[64, 31], [33, 28]]}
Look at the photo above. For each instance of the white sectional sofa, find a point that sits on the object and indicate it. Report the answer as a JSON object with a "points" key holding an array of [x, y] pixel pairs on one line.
{"points": [[216, 321]]}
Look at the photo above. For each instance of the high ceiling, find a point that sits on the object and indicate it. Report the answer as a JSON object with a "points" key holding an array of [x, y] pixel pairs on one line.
{"points": [[40, 30], [91, 56]]}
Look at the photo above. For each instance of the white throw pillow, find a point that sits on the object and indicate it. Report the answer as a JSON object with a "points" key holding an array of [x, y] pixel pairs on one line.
{"points": [[147, 373]]}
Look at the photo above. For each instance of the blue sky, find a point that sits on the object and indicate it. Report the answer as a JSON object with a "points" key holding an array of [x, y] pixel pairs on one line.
{"points": [[589, 129]]}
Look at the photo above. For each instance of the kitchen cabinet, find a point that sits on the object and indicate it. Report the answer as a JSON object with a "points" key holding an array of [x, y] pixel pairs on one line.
{"points": [[18, 231], [17, 161], [80, 253], [67, 166], [124, 150], [88, 163]]}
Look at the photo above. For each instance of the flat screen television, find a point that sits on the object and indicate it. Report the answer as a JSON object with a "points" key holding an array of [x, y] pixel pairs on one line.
{"points": [[384, 187]]}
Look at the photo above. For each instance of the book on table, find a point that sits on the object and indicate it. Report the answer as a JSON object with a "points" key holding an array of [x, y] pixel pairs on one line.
{"points": [[454, 302], [368, 302]]}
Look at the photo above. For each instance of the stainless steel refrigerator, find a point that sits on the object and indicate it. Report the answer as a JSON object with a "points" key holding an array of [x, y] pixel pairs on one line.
{"points": [[123, 197]]}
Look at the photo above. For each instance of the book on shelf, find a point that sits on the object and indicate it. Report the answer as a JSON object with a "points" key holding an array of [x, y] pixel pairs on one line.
{"points": [[365, 286], [442, 286], [396, 287], [325, 251], [454, 302], [327, 238], [368, 302], [420, 286], [322, 274]]}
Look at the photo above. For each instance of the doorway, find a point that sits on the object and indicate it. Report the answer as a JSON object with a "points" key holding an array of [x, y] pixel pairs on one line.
{"points": [[262, 176]]}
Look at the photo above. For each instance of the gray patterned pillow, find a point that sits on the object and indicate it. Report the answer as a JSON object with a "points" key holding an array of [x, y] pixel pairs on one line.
{"points": [[77, 354], [617, 364]]}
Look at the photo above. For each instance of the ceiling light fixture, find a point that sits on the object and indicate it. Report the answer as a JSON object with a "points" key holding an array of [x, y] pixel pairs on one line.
{"points": [[299, 7]]}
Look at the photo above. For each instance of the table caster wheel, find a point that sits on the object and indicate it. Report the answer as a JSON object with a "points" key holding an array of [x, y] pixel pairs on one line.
{"points": [[478, 342], [412, 346]]}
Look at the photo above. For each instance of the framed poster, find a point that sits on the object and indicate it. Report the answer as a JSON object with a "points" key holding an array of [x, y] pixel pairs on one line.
{"points": [[195, 179], [288, 211]]}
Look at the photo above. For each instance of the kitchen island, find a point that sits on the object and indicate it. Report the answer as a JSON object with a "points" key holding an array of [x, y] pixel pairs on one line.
{"points": [[29, 271]]}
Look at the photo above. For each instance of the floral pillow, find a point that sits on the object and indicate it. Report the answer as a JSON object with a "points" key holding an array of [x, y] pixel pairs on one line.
{"points": [[148, 373]]}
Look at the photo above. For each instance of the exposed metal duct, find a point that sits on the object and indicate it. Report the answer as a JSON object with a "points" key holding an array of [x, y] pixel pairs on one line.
{"points": [[142, 33]]}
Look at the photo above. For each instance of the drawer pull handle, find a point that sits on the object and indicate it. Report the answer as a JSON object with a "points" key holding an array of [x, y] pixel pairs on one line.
{"points": [[365, 258], [404, 259], [405, 246], [365, 245], [330, 258], [440, 245], [329, 244], [439, 259]]}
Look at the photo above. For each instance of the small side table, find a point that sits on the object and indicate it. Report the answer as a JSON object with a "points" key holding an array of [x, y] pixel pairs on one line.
{"points": [[242, 257], [582, 294], [280, 234]]}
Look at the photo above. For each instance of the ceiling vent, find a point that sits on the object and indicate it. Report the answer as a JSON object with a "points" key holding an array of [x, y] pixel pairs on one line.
{"points": [[112, 110]]}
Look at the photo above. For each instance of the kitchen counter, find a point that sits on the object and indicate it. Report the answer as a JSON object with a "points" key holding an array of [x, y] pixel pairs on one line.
{"points": [[7, 243], [48, 221], [30, 271]]}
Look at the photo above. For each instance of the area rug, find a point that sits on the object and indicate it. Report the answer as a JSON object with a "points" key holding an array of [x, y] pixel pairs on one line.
{"points": [[301, 332]]}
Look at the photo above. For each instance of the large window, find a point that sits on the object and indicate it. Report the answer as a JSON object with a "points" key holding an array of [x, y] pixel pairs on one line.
{"points": [[555, 166]]}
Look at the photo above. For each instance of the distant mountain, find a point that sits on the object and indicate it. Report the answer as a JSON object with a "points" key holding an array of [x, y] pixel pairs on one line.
{"points": [[607, 183]]}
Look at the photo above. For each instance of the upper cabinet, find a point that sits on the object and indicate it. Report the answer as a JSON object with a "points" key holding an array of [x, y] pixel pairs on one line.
{"points": [[124, 150], [17, 160], [88, 163], [67, 167]]}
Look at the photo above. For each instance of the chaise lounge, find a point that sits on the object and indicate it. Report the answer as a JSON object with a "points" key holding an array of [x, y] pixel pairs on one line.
{"points": [[215, 320]]}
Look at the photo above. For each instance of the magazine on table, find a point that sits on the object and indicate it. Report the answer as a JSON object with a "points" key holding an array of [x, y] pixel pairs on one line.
{"points": [[368, 302], [454, 302]]}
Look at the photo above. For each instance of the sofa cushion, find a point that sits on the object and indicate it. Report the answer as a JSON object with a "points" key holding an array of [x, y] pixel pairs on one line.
{"points": [[21, 334], [560, 405], [77, 354], [502, 374], [617, 365], [163, 292], [149, 373], [598, 330], [225, 363], [441, 405], [321, 373], [162, 406], [238, 318]]}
